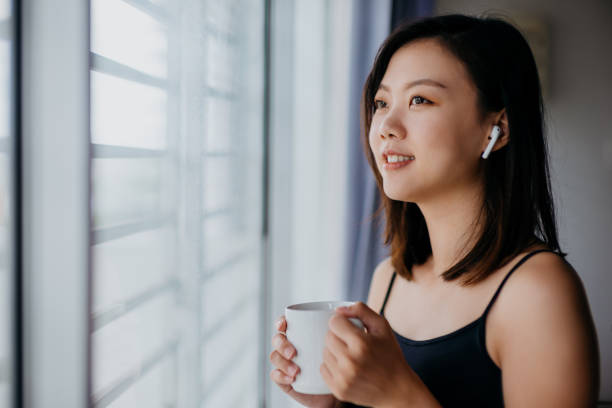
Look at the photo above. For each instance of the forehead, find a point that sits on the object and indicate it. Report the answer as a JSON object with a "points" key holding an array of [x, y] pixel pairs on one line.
{"points": [[426, 58]]}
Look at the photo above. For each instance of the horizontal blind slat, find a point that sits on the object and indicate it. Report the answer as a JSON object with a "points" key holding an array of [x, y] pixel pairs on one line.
{"points": [[152, 9], [224, 154], [108, 66], [106, 397], [106, 234], [214, 92], [116, 311], [219, 212], [103, 151]]}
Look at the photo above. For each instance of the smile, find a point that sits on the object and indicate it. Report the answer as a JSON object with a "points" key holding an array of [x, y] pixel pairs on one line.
{"points": [[395, 162]]}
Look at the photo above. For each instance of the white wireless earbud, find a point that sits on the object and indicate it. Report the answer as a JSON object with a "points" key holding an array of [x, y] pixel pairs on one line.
{"points": [[494, 135]]}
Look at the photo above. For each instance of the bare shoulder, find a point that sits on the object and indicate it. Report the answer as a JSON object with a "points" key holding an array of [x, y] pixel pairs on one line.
{"points": [[548, 346], [379, 284], [546, 286]]}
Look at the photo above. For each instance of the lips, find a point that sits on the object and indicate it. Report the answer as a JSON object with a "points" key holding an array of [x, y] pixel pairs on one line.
{"points": [[398, 159], [397, 165], [389, 152]]}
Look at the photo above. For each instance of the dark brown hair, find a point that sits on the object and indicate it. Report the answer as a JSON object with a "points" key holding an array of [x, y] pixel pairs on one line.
{"points": [[517, 211]]}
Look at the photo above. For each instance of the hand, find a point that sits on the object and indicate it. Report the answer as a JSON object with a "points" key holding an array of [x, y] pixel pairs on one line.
{"points": [[366, 367], [286, 371]]}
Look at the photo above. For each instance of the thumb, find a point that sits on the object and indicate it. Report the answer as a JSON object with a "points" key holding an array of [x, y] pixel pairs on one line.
{"points": [[373, 322]]}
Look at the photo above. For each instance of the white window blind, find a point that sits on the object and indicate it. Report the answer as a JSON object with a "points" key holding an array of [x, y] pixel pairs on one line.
{"points": [[177, 119], [6, 205]]}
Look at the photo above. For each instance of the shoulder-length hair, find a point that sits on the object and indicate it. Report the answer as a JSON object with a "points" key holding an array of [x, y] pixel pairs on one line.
{"points": [[517, 211]]}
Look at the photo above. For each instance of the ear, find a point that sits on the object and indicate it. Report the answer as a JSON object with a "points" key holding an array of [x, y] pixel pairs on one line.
{"points": [[500, 119]]}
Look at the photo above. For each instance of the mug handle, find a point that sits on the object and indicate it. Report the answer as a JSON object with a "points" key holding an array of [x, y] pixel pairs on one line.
{"points": [[356, 322]]}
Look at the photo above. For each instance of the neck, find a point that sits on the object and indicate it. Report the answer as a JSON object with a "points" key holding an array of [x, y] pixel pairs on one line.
{"points": [[451, 221]]}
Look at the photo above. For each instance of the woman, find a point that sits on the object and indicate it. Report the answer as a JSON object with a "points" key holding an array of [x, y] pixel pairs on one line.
{"points": [[454, 134]]}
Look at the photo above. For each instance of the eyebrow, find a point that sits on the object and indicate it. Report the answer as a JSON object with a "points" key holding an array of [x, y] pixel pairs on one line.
{"points": [[422, 81]]}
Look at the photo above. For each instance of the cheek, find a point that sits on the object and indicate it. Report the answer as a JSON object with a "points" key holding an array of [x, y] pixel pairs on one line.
{"points": [[374, 142], [371, 140], [452, 156], [442, 149]]}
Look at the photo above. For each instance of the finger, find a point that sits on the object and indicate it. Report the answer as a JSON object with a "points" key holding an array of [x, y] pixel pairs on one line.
{"points": [[373, 322], [327, 376], [287, 367], [277, 340], [281, 324], [280, 343], [335, 344], [330, 359], [286, 388], [281, 379], [345, 330]]}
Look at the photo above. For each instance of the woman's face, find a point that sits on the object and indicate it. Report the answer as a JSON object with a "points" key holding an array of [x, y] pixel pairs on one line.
{"points": [[426, 107]]}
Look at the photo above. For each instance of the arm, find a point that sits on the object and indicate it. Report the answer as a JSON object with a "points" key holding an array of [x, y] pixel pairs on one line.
{"points": [[548, 346]]}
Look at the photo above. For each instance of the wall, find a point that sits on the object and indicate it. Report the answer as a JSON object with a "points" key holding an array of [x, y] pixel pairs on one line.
{"points": [[580, 140]]}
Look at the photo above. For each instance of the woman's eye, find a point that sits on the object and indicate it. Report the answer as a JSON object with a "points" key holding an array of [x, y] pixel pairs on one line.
{"points": [[420, 99], [379, 104]]}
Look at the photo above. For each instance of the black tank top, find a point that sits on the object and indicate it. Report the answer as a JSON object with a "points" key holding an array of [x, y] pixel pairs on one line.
{"points": [[456, 367]]}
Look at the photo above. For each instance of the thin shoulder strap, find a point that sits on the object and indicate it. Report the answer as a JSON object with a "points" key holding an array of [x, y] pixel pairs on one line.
{"points": [[519, 263], [382, 309]]}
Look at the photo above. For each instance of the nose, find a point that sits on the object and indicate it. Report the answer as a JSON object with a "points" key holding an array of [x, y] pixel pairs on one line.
{"points": [[391, 126]]}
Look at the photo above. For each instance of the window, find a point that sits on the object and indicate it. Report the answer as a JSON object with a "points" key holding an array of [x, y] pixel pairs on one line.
{"points": [[177, 147], [310, 117], [6, 205]]}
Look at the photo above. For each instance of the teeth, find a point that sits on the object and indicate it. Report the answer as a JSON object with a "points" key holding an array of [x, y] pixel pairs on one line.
{"points": [[395, 158]]}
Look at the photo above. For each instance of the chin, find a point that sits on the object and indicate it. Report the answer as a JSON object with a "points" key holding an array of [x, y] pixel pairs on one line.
{"points": [[398, 193]]}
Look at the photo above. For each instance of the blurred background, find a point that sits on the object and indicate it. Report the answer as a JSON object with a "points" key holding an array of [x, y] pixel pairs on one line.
{"points": [[174, 172]]}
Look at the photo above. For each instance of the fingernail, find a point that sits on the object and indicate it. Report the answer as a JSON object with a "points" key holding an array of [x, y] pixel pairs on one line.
{"points": [[288, 378], [287, 352], [292, 370]]}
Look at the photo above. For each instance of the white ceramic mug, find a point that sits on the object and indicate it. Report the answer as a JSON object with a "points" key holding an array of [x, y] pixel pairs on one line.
{"points": [[307, 324]]}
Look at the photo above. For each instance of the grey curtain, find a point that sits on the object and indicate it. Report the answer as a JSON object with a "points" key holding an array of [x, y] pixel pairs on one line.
{"points": [[372, 22]]}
